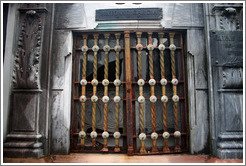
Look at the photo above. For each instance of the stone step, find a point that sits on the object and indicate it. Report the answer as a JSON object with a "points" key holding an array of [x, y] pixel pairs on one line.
{"points": [[230, 145], [24, 136], [22, 153], [22, 144]]}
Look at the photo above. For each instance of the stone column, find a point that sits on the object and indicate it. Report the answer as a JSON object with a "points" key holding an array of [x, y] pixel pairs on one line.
{"points": [[225, 64], [24, 138]]}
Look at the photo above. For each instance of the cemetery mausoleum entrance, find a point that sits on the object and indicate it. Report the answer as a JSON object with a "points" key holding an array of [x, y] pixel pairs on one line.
{"points": [[129, 92]]}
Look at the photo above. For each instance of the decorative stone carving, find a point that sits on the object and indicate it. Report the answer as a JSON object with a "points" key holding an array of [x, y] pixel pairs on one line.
{"points": [[27, 58], [232, 78], [26, 136], [227, 17]]}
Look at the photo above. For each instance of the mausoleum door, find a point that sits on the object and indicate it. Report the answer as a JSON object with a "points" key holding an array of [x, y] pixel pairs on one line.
{"points": [[129, 93]]}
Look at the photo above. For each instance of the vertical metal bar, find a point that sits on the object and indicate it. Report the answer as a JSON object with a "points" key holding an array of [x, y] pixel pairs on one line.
{"points": [[117, 88], [83, 82], [141, 99], [164, 98], [175, 97], [94, 98], [105, 99], [153, 98], [128, 93], [185, 95]]}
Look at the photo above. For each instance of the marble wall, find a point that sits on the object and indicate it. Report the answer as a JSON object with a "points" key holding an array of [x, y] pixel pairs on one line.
{"points": [[204, 77]]}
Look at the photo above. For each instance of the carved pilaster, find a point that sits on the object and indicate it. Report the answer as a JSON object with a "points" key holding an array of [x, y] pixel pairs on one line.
{"points": [[27, 59], [24, 139], [228, 17], [227, 64]]}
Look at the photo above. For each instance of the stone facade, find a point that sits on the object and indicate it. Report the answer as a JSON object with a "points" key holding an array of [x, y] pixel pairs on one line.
{"points": [[38, 72]]}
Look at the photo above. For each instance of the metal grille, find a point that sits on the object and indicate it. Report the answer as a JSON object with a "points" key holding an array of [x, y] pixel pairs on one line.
{"points": [[129, 93]]}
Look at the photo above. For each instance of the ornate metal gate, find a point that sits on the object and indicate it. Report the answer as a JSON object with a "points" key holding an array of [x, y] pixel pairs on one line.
{"points": [[129, 93]]}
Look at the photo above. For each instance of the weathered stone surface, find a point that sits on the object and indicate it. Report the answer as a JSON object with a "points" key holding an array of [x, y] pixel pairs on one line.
{"points": [[61, 92], [227, 60], [233, 111], [197, 92], [196, 51], [10, 48], [59, 129], [200, 131], [62, 47], [187, 15], [227, 48], [69, 15], [23, 153], [25, 111]]}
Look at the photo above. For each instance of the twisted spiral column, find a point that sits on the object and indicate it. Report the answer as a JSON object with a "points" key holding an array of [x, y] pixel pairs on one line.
{"points": [[105, 115], [83, 91], [164, 104], [117, 89], [151, 72], [94, 90], [139, 47], [175, 105]]}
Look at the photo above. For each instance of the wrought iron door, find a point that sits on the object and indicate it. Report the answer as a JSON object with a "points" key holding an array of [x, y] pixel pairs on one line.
{"points": [[129, 93]]}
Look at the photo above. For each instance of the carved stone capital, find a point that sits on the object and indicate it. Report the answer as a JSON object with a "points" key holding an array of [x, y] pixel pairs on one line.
{"points": [[26, 73]]}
